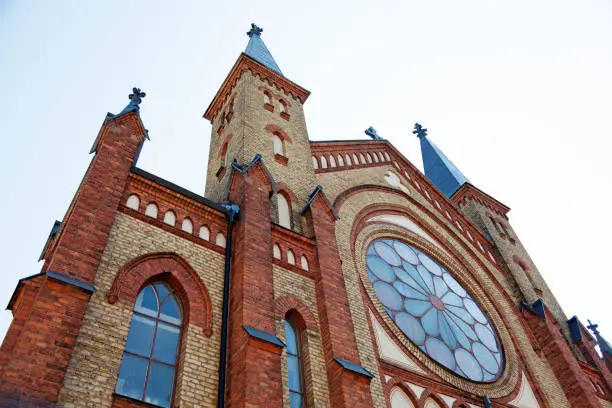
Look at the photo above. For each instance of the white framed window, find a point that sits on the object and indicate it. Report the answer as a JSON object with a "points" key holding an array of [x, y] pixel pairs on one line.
{"points": [[284, 211], [133, 202], [170, 218], [204, 233], [187, 226], [151, 210]]}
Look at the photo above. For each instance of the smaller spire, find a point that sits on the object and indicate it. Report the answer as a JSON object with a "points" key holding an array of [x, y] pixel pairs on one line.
{"points": [[257, 50], [604, 346], [372, 133], [438, 168]]}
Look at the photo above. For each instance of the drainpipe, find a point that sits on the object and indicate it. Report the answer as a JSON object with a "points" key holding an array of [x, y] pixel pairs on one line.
{"points": [[231, 210]]}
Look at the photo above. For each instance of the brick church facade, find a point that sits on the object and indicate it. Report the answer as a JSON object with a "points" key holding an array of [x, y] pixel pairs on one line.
{"points": [[310, 274]]}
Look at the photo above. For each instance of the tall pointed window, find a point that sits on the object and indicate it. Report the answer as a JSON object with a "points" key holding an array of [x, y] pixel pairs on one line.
{"points": [[294, 363], [284, 211], [149, 361], [278, 144]]}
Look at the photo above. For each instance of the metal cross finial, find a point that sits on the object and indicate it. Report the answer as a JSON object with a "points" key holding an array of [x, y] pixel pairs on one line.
{"points": [[419, 130], [593, 327], [372, 133], [136, 96], [255, 30]]}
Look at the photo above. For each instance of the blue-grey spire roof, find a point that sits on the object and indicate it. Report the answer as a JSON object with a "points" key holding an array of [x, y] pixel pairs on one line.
{"points": [[257, 50], [438, 168], [604, 346]]}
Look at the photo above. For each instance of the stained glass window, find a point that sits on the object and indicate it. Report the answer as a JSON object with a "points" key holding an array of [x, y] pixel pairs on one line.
{"points": [[433, 310], [149, 360], [294, 364]]}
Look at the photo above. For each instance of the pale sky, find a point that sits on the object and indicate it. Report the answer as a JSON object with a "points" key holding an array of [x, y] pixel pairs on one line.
{"points": [[516, 93]]}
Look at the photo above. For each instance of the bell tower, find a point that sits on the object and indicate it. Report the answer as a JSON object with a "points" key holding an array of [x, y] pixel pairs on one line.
{"points": [[258, 110]]}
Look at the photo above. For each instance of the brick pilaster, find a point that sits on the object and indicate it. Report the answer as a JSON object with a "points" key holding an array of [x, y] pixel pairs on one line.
{"points": [[49, 312], [254, 366], [347, 389]]}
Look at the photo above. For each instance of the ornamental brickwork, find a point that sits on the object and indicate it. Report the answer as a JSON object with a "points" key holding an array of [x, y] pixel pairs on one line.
{"points": [[239, 269]]}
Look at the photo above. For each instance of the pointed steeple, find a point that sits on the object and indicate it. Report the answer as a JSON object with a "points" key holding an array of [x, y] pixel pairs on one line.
{"points": [[604, 346], [438, 168], [257, 50]]}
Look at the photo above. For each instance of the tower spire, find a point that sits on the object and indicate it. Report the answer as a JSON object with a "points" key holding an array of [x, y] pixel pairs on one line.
{"points": [[604, 346], [438, 168], [257, 50]]}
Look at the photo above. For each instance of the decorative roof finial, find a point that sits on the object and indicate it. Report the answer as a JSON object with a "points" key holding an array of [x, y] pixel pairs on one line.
{"points": [[255, 30], [593, 327], [135, 101], [372, 133], [419, 130], [604, 346]]}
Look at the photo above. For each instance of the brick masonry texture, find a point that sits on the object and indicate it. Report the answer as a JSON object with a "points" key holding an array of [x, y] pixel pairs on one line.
{"points": [[91, 378], [65, 345]]}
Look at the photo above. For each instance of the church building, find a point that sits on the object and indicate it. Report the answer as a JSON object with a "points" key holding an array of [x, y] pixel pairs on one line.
{"points": [[309, 274]]}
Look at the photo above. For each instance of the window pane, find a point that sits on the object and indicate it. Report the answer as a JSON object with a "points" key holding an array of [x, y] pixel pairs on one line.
{"points": [[146, 302], [293, 366], [170, 310], [132, 376], [162, 290], [159, 387], [166, 342], [140, 335], [290, 338], [295, 400]]}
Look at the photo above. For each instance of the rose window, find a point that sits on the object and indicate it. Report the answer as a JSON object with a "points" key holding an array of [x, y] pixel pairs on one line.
{"points": [[434, 310]]}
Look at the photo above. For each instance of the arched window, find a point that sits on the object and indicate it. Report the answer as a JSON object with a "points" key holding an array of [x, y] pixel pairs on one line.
{"points": [[369, 157], [282, 106], [187, 226], [355, 159], [381, 157], [290, 257], [276, 252], [323, 162], [315, 163], [284, 211], [304, 263], [133, 202], [149, 361], [375, 157], [170, 218], [332, 161], [387, 156], [293, 337], [348, 160], [151, 210], [204, 233], [278, 144], [363, 160], [224, 153], [399, 399], [267, 100], [340, 160], [220, 240]]}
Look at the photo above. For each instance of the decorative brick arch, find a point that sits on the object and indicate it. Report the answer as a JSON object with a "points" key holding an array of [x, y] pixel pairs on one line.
{"points": [[287, 303], [397, 382], [429, 393], [178, 273], [275, 130]]}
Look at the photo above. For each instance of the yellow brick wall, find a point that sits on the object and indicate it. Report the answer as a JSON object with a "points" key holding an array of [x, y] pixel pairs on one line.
{"points": [[288, 283], [250, 138], [92, 375]]}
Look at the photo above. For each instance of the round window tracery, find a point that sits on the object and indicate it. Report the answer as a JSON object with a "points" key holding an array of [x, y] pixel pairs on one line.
{"points": [[433, 310]]}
